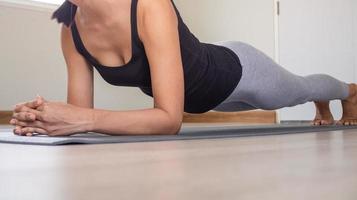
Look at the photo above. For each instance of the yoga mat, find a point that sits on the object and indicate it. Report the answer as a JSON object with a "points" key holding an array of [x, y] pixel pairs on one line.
{"points": [[186, 133]]}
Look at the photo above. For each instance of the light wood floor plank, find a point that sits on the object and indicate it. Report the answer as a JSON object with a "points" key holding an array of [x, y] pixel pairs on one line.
{"points": [[257, 116], [5, 117]]}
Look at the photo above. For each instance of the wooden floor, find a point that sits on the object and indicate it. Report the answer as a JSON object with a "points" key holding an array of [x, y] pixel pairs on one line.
{"points": [[300, 166]]}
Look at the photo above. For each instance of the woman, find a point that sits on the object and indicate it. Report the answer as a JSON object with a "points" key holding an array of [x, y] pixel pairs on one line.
{"points": [[146, 44]]}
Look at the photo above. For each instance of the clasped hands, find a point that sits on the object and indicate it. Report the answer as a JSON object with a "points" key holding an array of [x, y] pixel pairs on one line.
{"points": [[48, 118]]}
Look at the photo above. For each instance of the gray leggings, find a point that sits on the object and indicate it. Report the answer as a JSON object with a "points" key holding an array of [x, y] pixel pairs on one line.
{"points": [[266, 85]]}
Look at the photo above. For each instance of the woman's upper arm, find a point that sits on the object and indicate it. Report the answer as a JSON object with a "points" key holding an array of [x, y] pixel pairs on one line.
{"points": [[158, 29], [80, 73]]}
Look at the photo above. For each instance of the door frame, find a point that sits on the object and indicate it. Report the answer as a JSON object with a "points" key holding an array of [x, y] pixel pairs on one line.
{"points": [[277, 42]]}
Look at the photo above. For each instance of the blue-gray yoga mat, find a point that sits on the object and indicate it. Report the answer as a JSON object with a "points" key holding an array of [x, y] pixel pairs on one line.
{"points": [[186, 133]]}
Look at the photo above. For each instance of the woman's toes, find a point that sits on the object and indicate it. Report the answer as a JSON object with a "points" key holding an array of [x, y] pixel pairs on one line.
{"points": [[341, 122], [322, 122], [325, 122], [316, 122]]}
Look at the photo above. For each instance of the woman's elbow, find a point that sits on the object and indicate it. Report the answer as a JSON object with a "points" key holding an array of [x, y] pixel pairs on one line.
{"points": [[171, 124], [173, 127], [176, 128]]}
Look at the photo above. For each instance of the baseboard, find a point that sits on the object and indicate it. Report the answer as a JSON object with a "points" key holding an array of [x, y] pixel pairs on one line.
{"points": [[5, 117], [257, 116]]}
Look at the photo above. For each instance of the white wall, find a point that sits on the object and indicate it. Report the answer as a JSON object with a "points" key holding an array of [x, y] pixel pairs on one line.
{"points": [[30, 58], [317, 37], [31, 61], [248, 21]]}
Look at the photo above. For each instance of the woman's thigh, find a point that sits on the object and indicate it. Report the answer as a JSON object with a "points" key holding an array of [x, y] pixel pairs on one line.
{"points": [[264, 83]]}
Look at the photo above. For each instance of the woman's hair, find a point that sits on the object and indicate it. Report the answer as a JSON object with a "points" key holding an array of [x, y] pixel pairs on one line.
{"points": [[65, 13]]}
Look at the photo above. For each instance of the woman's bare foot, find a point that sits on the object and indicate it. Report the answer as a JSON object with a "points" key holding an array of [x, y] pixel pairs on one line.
{"points": [[323, 114], [349, 107]]}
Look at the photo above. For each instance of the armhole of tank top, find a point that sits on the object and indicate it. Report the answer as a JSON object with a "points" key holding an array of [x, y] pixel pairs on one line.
{"points": [[179, 20]]}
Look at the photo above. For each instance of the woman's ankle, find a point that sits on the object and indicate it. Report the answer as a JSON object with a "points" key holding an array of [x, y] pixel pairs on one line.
{"points": [[352, 92], [323, 108]]}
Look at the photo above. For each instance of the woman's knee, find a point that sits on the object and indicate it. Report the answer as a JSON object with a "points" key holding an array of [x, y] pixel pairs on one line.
{"points": [[233, 107]]}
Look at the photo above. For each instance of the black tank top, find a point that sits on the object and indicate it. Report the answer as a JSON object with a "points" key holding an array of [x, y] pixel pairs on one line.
{"points": [[211, 72]]}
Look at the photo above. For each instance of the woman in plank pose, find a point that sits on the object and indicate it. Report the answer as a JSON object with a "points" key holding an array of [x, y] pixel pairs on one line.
{"points": [[146, 44]]}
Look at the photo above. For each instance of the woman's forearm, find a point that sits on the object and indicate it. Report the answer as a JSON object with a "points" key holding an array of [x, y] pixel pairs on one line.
{"points": [[61, 119], [136, 122]]}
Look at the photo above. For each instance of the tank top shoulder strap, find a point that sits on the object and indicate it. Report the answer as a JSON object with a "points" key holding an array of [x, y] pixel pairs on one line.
{"points": [[137, 45], [79, 43]]}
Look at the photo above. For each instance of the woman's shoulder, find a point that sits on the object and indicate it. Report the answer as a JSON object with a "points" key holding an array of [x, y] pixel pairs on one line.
{"points": [[155, 5], [156, 9], [66, 33]]}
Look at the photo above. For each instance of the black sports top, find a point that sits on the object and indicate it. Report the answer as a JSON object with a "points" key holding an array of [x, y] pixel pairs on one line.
{"points": [[211, 72]]}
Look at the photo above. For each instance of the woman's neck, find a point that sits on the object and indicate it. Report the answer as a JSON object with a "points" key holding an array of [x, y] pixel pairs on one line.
{"points": [[96, 12]]}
